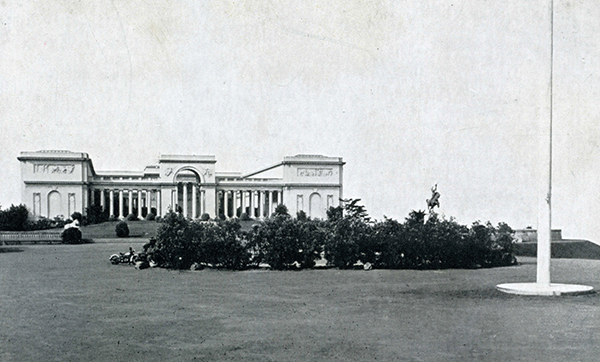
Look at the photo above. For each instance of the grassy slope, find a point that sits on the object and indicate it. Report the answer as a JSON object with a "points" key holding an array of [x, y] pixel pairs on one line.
{"points": [[581, 249], [68, 303], [137, 229], [144, 229]]}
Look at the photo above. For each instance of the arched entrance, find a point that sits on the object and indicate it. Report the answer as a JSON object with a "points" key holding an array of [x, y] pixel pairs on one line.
{"points": [[189, 196], [315, 209], [54, 204]]}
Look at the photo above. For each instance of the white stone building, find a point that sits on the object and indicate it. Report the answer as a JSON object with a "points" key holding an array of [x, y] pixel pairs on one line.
{"points": [[62, 182]]}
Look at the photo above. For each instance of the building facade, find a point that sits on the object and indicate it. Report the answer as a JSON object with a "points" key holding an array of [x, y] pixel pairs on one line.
{"points": [[62, 182]]}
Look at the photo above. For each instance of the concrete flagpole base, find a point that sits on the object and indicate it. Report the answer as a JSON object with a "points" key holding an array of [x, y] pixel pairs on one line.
{"points": [[552, 289]]}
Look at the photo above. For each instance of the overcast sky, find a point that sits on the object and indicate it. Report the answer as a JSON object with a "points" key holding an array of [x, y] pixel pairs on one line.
{"points": [[409, 93]]}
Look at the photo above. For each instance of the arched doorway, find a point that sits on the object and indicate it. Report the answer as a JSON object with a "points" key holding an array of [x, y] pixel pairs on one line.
{"points": [[189, 200], [315, 208], [54, 204]]}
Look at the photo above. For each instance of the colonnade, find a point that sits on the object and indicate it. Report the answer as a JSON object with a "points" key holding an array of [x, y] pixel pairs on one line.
{"points": [[191, 199], [255, 203], [121, 201]]}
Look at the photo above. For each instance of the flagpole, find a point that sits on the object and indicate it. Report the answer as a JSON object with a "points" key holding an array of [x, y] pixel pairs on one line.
{"points": [[542, 286], [544, 230]]}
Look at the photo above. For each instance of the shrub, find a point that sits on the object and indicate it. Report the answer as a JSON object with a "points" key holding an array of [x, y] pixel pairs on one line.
{"points": [[112, 218], [58, 221], [286, 243], [122, 229], [282, 210], [150, 217], [220, 245], [301, 215], [77, 216], [71, 236], [172, 247], [96, 215], [205, 217], [132, 217], [42, 223], [14, 218], [181, 243], [347, 234], [244, 217]]}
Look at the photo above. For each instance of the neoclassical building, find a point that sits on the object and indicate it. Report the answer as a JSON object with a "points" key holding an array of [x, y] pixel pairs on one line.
{"points": [[62, 182]]}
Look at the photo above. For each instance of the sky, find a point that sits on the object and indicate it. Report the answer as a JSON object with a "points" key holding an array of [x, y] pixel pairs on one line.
{"points": [[410, 94]]}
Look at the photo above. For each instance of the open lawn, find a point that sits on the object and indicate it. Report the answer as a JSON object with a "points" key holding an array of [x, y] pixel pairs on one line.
{"points": [[68, 303], [137, 229]]}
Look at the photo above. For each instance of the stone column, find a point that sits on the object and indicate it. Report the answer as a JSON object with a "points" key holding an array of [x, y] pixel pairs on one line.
{"points": [[252, 204], [234, 195], [242, 201], [194, 201], [158, 208], [261, 204], [121, 207], [175, 198], [102, 199], [148, 207], [139, 198], [270, 193], [111, 195], [226, 204], [185, 200], [130, 202], [202, 207], [85, 203]]}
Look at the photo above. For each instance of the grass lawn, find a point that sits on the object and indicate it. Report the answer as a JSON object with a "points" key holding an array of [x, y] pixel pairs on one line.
{"points": [[68, 303], [137, 229]]}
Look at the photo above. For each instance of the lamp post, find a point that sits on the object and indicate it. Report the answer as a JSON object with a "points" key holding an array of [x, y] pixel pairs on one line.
{"points": [[543, 286]]}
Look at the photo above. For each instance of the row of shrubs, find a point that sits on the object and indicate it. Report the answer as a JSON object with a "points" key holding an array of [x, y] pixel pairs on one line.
{"points": [[16, 218], [348, 237]]}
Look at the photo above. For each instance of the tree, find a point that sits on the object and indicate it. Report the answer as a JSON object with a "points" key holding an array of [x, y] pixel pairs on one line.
{"points": [[14, 218]]}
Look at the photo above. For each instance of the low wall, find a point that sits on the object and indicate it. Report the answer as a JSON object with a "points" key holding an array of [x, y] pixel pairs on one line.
{"points": [[30, 237]]}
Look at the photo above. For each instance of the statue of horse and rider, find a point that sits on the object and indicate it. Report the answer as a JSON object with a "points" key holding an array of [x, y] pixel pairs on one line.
{"points": [[435, 199]]}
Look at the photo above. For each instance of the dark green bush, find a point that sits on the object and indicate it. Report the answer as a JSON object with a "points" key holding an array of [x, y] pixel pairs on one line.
{"points": [[96, 215], [14, 218], [71, 236], [58, 221], [286, 243], [220, 245], [173, 247], [244, 217], [301, 215], [122, 229], [42, 223], [77, 216], [347, 234], [179, 243], [205, 217], [132, 217], [282, 210], [347, 237], [150, 217]]}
